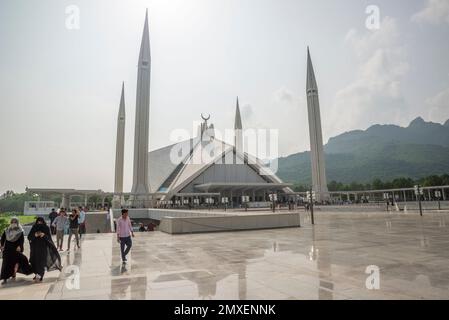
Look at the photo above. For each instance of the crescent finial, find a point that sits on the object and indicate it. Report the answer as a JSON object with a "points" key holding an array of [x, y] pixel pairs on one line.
{"points": [[204, 118]]}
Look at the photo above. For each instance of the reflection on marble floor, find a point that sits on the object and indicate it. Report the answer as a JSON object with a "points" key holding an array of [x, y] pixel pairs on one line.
{"points": [[327, 261]]}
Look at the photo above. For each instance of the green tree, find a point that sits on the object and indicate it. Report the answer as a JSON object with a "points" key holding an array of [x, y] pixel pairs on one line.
{"points": [[299, 188], [402, 183], [445, 180], [334, 186], [377, 184], [7, 194], [354, 186], [3, 224], [432, 181], [15, 202]]}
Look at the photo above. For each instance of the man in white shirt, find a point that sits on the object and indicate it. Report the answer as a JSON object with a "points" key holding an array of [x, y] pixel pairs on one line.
{"points": [[124, 233]]}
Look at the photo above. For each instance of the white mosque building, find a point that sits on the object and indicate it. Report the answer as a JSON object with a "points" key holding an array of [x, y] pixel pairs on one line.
{"points": [[228, 172], [228, 175], [213, 168]]}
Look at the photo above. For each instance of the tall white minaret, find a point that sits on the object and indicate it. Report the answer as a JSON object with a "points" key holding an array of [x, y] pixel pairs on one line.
{"points": [[120, 152], [238, 127], [141, 137], [319, 182]]}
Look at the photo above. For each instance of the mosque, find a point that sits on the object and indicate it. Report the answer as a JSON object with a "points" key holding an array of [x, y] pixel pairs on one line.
{"points": [[227, 175]]}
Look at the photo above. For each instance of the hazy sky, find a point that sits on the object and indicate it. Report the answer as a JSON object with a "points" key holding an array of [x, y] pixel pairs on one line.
{"points": [[60, 88]]}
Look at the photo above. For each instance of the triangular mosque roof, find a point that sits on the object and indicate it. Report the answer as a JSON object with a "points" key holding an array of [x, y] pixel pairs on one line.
{"points": [[169, 175]]}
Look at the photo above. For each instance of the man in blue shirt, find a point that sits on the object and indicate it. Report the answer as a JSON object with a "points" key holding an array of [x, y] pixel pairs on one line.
{"points": [[82, 221]]}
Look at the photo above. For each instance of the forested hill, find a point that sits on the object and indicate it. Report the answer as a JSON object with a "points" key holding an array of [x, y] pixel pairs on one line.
{"points": [[381, 152]]}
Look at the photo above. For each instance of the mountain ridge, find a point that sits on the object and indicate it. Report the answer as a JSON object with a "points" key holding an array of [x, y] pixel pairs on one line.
{"points": [[380, 152]]}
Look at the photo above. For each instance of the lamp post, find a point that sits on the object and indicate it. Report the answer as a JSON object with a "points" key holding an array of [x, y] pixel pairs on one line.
{"points": [[396, 198], [311, 198], [419, 192], [225, 201], [297, 208], [386, 197], [210, 201], [438, 196], [196, 202], [245, 200], [273, 199]]}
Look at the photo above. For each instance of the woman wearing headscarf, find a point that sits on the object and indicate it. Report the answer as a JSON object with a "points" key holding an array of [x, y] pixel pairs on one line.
{"points": [[12, 246], [43, 252]]}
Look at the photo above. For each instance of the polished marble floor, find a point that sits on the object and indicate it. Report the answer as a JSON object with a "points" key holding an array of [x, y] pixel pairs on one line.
{"points": [[325, 261]]}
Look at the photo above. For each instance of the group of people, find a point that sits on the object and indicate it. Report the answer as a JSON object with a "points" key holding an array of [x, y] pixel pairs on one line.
{"points": [[149, 227], [43, 253], [73, 224]]}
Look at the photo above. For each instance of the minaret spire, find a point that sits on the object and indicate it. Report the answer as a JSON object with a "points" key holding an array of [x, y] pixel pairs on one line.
{"points": [[311, 80], [238, 127], [319, 182], [238, 118], [140, 186], [120, 151], [145, 54], [122, 113]]}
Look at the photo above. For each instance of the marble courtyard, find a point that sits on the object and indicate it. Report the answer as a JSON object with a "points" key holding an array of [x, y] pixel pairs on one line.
{"points": [[327, 261]]}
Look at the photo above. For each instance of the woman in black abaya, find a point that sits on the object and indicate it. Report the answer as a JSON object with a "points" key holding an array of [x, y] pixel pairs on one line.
{"points": [[12, 246], [43, 252]]}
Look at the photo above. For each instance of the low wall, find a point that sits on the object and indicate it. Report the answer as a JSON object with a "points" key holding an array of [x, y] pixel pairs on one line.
{"points": [[351, 208], [158, 214], [373, 207], [97, 221], [180, 225], [426, 205]]}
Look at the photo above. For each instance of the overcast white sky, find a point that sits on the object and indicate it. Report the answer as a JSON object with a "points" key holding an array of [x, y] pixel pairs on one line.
{"points": [[60, 88]]}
